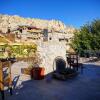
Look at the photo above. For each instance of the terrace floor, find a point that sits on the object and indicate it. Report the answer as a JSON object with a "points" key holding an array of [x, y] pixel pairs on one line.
{"points": [[85, 86]]}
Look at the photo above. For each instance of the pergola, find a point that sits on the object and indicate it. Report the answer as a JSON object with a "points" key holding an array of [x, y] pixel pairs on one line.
{"points": [[5, 64]]}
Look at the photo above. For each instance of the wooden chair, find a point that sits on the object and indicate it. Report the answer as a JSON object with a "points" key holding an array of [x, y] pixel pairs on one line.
{"points": [[73, 61]]}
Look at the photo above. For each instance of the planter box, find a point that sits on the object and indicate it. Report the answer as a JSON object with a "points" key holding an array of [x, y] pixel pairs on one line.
{"points": [[37, 73], [68, 73]]}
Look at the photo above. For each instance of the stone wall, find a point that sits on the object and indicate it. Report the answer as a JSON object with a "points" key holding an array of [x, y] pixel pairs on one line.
{"points": [[56, 36], [51, 49]]}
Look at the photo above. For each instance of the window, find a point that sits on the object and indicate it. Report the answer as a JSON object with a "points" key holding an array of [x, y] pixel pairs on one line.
{"points": [[50, 38], [66, 40], [61, 39]]}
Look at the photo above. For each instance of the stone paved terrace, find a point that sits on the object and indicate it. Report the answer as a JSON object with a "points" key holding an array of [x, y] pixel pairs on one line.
{"points": [[86, 86]]}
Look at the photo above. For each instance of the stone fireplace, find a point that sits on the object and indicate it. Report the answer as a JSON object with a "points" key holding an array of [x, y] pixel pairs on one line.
{"points": [[49, 51], [60, 64]]}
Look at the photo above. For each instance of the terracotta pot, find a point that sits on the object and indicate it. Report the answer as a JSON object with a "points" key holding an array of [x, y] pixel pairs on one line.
{"points": [[37, 73]]}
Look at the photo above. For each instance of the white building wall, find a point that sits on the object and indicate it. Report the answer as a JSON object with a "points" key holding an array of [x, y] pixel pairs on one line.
{"points": [[51, 49], [48, 52]]}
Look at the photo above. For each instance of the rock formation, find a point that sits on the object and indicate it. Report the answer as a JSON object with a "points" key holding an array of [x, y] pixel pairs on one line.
{"points": [[13, 22]]}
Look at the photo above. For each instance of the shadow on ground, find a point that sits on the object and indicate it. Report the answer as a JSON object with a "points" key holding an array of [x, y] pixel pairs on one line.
{"points": [[86, 86]]}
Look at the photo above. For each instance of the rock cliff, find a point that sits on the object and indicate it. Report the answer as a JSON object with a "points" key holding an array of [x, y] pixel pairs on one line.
{"points": [[13, 22]]}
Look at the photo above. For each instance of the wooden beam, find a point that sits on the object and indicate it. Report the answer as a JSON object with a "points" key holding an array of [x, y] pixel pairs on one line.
{"points": [[1, 77], [1, 81]]}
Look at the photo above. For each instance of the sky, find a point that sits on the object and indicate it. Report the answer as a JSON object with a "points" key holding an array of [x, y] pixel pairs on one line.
{"points": [[71, 12]]}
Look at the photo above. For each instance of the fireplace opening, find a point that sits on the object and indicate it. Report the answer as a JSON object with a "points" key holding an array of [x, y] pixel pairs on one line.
{"points": [[60, 64]]}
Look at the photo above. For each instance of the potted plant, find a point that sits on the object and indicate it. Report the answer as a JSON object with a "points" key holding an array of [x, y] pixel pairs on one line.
{"points": [[37, 72]]}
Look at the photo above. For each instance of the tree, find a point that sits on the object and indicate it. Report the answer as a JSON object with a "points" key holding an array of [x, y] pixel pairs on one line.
{"points": [[87, 38]]}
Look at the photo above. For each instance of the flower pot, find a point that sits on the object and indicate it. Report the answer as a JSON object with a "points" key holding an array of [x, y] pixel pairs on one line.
{"points": [[37, 73]]}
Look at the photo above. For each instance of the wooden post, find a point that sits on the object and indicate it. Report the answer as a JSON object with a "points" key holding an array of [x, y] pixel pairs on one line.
{"points": [[77, 61], [1, 81], [9, 75]]}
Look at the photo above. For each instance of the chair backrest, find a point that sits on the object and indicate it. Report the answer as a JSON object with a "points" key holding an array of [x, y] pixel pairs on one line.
{"points": [[72, 58]]}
